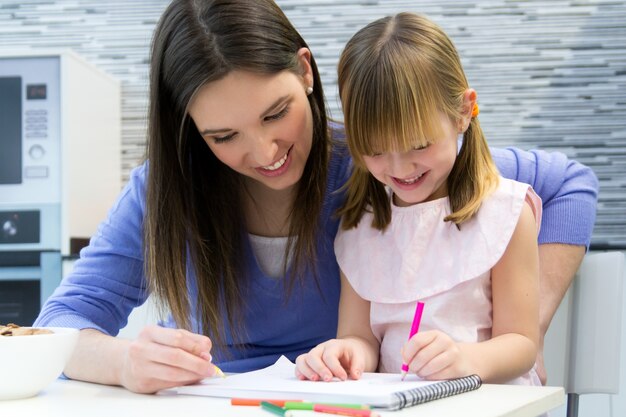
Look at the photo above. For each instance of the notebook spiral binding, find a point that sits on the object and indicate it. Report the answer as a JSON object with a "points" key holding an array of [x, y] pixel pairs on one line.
{"points": [[435, 391]]}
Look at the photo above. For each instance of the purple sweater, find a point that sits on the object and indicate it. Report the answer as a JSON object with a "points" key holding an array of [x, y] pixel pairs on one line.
{"points": [[107, 282]]}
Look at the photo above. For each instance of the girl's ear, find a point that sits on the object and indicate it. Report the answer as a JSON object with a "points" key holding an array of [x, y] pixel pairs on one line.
{"points": [[469, 101], [304, 58]]}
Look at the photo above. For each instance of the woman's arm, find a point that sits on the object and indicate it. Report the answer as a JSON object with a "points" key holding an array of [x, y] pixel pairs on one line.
{"points": [[106, 283], [160, 358], [568, 190]]}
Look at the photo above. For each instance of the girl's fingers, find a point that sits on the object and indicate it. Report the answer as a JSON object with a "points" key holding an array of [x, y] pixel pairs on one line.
{"points": [[303, 370], [436, 365], [330, 358], [416, 344], [316, 363], [356, 367], [434, 345]]}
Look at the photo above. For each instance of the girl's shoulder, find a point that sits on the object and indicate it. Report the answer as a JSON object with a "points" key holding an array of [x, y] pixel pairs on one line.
{"points": [[512, 194]]}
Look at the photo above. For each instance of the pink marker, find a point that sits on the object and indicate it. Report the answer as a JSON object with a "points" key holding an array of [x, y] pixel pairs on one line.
{"points": [[415, 326]]}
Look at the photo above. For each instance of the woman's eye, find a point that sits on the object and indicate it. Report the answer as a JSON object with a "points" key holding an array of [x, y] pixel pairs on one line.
{"points": [[278, 115], [222, 139]]}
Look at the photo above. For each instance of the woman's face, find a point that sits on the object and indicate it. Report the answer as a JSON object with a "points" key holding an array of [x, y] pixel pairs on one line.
{"points": [[259, 125]]}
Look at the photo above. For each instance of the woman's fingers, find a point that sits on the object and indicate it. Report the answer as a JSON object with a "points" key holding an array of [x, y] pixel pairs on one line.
{"points": [[179, 349], [193, 343], [163, 358]]}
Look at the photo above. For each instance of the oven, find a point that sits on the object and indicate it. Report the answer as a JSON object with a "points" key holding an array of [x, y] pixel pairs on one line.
{"points": [[59, 170]]}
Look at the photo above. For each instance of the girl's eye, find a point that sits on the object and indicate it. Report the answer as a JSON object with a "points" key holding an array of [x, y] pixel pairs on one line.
{"points": [[278, 115], [419, 148], [222, 139]]}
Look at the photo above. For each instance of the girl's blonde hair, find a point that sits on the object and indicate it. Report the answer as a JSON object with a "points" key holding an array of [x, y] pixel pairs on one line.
{"points": [[397, 75]]}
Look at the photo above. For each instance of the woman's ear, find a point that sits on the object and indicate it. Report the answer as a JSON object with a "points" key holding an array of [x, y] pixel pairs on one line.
{"points": [[304, 58], [469, 101]]}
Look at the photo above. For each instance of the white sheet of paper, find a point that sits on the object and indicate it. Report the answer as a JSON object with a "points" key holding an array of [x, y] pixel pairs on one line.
{"points": [[278, 381]]}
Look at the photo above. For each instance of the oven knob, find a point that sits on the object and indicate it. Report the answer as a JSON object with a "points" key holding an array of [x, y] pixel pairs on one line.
{"points": [[36, 151], [9, 228]]}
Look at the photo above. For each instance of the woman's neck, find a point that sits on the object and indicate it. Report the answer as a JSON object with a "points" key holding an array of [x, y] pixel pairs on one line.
{"points": [[267, 210]]}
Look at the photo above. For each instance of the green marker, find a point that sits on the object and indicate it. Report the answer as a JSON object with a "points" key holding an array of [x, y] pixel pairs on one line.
{"points": [[300, 405], [274, 409]]}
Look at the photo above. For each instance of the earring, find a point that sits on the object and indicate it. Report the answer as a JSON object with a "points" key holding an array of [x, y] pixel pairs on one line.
{"points": [[309, 91]]}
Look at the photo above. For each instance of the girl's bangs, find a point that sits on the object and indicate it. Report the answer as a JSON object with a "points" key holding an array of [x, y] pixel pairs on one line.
{"points": [[392, 111]]}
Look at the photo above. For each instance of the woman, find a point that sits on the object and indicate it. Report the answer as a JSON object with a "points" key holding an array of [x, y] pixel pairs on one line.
{"points": [[241, 164]]}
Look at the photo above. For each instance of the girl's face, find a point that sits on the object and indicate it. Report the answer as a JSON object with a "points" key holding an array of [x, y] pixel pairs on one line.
{"points": [[258, 125], [420, 174]]}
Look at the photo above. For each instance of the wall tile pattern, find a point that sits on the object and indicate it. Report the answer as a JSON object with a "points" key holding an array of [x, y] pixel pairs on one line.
{"points": [[549, 74]]}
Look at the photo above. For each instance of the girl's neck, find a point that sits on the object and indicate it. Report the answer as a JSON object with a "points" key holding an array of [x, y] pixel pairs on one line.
{"points": [[267, 210]]}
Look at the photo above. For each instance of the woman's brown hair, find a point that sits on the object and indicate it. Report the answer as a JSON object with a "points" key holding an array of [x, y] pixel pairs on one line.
{"points": [[194, 219]]}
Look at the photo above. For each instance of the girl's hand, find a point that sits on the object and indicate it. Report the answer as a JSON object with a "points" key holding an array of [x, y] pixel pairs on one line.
{"points": [[434, 355], [340, 358], [164, 358]]}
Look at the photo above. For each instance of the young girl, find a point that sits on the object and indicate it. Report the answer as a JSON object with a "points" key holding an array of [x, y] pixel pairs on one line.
{"points": [[427, 218]]}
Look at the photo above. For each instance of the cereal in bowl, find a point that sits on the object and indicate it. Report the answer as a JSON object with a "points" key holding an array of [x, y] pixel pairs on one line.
{"points": [[15, 330]]}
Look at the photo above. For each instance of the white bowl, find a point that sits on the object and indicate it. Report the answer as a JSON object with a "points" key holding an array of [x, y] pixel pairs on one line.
{"points": [[30, 363]]}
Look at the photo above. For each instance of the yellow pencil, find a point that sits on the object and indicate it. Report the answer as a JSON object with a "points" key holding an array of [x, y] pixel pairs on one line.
{"points": [[219, 372]]}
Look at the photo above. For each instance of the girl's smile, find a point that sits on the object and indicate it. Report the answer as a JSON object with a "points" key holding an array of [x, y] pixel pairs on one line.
{"points": [[419, 174]]}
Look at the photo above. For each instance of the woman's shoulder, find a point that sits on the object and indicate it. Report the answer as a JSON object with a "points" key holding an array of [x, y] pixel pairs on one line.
{"points": [[132, 197]]}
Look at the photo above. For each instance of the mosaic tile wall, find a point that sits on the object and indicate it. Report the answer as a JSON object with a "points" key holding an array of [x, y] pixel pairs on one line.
{"points": [[550, 74]]}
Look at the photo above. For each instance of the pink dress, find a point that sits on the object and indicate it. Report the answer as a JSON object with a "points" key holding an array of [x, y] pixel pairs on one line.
{"points": [[421, 257]]}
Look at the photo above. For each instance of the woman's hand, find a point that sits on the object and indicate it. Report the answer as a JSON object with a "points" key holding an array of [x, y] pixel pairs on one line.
{"points": [[434, 355], [164, 358], [336, 358]]}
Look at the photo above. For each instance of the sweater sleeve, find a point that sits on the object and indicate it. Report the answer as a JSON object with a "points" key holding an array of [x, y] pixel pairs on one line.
{"points": [[568, 189], [107, 282]]}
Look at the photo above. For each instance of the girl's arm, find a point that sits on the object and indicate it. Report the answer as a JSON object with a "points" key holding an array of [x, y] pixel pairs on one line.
{"points": [[515, 292], [513, 347], [353, 352], [569, 191], [354, 324]]}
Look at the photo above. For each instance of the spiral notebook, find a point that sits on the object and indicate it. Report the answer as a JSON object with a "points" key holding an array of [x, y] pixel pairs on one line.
{"points": [[385, 391]]}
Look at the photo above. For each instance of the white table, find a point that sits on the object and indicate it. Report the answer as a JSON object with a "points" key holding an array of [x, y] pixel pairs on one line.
{"points": [[81, 399]]}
